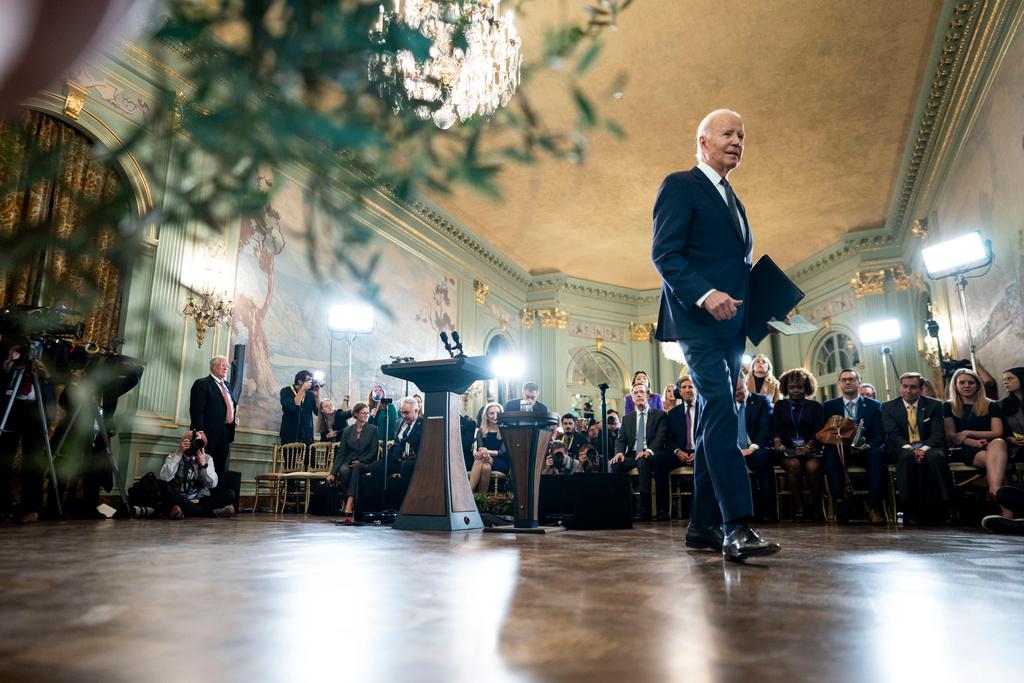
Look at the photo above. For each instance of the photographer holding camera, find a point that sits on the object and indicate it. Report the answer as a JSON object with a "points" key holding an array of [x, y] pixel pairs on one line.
{"points": [[298, 406], [191, 479], [558, 460]]}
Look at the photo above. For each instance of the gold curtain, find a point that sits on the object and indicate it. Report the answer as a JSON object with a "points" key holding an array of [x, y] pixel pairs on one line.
{"points": [[54, 274]]}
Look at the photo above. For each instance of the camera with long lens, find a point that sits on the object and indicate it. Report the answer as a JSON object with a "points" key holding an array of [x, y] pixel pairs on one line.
{"points": [[34, 322], [196, 444]]}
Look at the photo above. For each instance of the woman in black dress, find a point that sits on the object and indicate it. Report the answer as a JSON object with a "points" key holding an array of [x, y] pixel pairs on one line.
{"points": [[795, 421], [974, 429], [490, 454], [357, 450], [1013, 412]]}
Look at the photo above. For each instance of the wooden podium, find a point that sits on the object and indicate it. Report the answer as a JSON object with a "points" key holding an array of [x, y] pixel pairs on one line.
{"points": [[526, 435], [439, 497]]}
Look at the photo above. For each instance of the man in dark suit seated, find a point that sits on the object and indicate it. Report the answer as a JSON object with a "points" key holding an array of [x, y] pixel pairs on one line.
{"points": [[212, 412], [679, 443], [867, 413], [643, 434], [754, 439], [402, 454], [915, 438], [529, 400]]}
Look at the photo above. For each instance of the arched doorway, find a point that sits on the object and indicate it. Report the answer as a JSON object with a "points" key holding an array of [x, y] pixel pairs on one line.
{"points": [[835, 350], [588, 369]]}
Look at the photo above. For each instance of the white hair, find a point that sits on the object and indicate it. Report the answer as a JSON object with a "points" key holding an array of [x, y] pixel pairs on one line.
{"points": [[705, 124], [409, 399], [215, 359]]}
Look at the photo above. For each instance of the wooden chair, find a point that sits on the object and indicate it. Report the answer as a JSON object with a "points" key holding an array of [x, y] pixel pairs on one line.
{"points": [[679, 489], [321, 459], [293, 468], [496, 479], [271, 479]]}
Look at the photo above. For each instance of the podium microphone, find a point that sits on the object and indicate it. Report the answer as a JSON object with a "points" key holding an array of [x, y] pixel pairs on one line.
{"points": [[458, 344], [447, 345]]}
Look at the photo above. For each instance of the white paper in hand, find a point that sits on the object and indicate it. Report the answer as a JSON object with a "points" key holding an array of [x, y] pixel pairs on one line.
{"points": [[797, 325]]}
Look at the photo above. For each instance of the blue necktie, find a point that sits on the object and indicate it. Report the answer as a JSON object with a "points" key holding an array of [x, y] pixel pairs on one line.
{"points": [[742, 439], [851, 410], [639, 445]]}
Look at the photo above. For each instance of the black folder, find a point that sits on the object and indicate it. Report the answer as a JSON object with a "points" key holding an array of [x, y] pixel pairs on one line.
{"points": [[770, 295]]}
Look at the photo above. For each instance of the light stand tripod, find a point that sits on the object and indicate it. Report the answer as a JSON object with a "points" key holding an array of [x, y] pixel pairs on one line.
{"points": [[603, 388], [44, 424], [887, 353], [385, 515]]}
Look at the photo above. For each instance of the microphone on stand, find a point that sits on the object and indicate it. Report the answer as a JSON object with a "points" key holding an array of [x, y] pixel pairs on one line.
{"points": [[447, 346], [458, 345]]}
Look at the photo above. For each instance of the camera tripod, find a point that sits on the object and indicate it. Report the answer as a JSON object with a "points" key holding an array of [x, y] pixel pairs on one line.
{"points": [[95, 416], [44, 424]]}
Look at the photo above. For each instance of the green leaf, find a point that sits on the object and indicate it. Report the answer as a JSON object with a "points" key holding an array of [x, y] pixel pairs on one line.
{"points": [[585, 108], [615, 129], [588, 57]]}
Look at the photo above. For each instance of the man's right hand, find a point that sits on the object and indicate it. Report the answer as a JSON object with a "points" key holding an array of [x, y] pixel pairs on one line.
{"points": [[721, 306], [330, 479], [549, 461], [619, 457]]}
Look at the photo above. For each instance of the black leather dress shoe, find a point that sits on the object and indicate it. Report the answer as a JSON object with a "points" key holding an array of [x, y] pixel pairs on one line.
{"points": [[842, 512], [744, 542], [709, 538]]}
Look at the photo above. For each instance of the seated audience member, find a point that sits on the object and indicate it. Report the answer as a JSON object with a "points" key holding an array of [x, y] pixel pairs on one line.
{"points": [[406, 446], [915, 439], [669, 399], [298, 406], [558, 460], [1009, 498], [1012, 408], [866, 412], [191, 482], [796, 419], [754, 439], [332, 420], [653, 400], [531, 390], [612, 430], [573, 439], [928, 389], [868, 390], [643, 433], [357, 449], [419, 402], [761, 380], [490, 453], [974, 430], [384, 415], [679, 443], [589, 460]]}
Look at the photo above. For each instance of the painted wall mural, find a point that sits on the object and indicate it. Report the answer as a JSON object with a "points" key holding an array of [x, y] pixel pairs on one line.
{"points": [[281, 312], [983, 192]]}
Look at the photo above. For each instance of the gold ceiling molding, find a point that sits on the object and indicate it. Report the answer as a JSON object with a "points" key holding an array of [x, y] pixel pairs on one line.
{"points": [[75, 99], [920, 229], [641, 332], [902, 278], [553, 318], [594, 290], [480, 291], [868, 283], [527, 318]]}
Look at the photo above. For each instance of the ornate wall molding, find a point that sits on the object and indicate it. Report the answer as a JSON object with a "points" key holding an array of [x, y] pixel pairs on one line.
{"points": [[480, 291], [868, 283], [641, 332], [601, 333], [527, 318], [553, 318]]}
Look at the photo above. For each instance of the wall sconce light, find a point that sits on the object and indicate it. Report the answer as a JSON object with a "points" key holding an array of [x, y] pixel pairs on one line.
{"points": [[209, 309]]}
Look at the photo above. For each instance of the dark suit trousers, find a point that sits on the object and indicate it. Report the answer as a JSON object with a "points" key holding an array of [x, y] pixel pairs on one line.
{"points": [[762, 463], [721, 488], [220, 453], [407, 468], [644, 468], [348, 477], [925, 486], [872, 459]]}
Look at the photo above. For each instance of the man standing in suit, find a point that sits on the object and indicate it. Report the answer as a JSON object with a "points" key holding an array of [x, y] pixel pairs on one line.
{"points": [[529, 401], [701, 248], [642, 435], [868, 412], [754, 439], [212, 412], [915, 438]]}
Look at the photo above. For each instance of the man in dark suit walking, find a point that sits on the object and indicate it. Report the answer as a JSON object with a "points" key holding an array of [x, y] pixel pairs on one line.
{"points": [[529, 401], [915, 438], [868, 412], [212, 412], [642, 435], [702, 247]]}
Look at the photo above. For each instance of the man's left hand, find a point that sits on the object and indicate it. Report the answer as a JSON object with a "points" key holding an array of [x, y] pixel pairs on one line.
{"points": [[201, 456]]}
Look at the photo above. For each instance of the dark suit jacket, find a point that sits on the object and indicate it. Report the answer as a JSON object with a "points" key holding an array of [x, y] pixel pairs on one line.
{"points": [[207, 412], [515, 405], [297, 420], [676, 436], [350, 449], [868, 409], [412, 438], [759, 420], [929, 424], [697, 247], [656, 432]]}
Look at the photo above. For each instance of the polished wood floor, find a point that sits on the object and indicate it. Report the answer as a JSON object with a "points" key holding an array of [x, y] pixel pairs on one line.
{"points": [[259, 598]]}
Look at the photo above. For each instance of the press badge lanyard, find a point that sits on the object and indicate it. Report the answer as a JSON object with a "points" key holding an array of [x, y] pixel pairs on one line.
{"points": [[796, 418]]}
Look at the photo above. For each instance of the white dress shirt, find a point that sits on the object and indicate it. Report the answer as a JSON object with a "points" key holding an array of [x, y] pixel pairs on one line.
{"points": [[716, 180]]}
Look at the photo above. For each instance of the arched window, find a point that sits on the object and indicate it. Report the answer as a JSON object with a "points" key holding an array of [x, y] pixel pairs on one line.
{"points": [[835, 351], [590, 368]]}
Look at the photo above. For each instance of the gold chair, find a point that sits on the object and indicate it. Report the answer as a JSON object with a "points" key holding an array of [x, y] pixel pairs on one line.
{"points": [[496, 478], [293, 468], [321, 459], [678, 489], [271, 479]]}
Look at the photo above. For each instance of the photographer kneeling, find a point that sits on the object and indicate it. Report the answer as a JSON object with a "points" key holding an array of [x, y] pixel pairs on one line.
{"points": [[558, 460], [191, 476]]}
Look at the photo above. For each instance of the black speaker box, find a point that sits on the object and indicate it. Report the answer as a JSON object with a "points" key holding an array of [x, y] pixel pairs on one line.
{"points": [[587, 501]]}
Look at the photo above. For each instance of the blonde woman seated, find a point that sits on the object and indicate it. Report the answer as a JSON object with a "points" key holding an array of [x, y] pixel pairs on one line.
{"points": [[357, 449], [974, 430], [761, 380], [489, 452], [669, 399]]}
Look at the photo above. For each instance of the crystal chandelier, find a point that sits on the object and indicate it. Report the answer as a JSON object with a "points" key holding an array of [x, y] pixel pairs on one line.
{"points": [[454, 82], [211, 310]]}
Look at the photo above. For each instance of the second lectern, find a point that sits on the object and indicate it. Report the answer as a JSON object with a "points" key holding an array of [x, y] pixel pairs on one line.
{"points": [[439, 497]]}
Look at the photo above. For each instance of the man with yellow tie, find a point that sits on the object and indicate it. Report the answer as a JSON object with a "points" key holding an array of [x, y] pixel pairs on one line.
{"points": [[916, 441]]}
